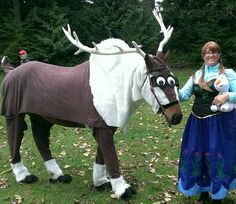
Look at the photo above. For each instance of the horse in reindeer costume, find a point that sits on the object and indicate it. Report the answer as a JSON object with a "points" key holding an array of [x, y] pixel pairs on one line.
{"points": [[100, 93]]}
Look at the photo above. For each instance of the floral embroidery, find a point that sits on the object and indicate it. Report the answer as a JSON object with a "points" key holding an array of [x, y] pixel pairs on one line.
{"points": [[205, 94], [207, 159], [196, 164], [219, 166]]}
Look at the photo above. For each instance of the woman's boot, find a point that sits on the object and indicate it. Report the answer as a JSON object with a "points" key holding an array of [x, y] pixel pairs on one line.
{"points": [[213, 201], [204, 198]]}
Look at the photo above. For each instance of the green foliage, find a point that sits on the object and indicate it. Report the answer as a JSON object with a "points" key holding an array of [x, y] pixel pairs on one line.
{"points": [[15, 34], [49, 43], [200, 21], [39, 30]]}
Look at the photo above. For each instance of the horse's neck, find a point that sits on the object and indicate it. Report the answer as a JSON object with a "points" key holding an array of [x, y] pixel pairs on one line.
{"points": [[117, 90]]}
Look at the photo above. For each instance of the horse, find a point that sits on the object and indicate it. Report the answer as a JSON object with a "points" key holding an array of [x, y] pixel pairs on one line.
{"points": [[101, 93]]}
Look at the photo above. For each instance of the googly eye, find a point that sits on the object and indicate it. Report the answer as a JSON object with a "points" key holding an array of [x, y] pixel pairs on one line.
{"points": [[171, 81], [161, 81]]}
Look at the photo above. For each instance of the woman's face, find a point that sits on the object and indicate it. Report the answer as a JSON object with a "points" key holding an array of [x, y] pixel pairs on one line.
{"points": [[211, 58]]}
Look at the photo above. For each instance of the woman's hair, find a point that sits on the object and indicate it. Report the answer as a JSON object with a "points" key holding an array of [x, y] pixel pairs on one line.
{"points": [[213, 47]]}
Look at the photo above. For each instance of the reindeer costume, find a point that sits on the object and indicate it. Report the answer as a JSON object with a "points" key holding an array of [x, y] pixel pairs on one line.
{"points": [[50, 94]]}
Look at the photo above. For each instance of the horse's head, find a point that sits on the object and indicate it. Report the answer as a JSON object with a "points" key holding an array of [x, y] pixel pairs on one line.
{"points": [[164, 87]]}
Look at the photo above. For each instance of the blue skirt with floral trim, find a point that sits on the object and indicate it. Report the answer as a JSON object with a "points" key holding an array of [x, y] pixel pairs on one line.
{"points": [[208, 155]]}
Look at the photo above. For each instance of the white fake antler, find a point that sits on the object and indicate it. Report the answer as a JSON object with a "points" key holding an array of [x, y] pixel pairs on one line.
{"points": [[166, 31], [95, 50]]}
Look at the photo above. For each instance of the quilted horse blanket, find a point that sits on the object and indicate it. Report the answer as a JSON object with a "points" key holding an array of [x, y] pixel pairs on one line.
{"points": [[51, 91]]}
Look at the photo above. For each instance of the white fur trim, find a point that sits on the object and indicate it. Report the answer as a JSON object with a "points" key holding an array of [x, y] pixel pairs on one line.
{"points": [[119, 186], [20, 171], [53, 169], [116, 82], [99, 174]]}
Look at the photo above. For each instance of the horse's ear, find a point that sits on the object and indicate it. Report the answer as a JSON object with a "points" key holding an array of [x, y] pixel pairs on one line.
{"points": [[166, 56], [149, 62], [159, 54]]}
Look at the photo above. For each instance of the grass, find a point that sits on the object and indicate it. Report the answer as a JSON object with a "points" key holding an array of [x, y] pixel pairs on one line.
{"points": [[148, 155]]}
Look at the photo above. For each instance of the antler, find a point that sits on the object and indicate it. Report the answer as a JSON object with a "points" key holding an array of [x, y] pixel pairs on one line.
{"points": [[95, 50], [166, 31]]}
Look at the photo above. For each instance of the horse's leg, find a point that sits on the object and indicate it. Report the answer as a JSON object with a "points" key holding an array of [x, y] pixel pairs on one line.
{"points": [[107, 159], [41, 133], [15, 131], [100, 180]]}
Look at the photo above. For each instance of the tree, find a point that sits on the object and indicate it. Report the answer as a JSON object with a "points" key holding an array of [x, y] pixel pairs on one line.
{"points": [[49, 43], [36, 26], [197, 22]]}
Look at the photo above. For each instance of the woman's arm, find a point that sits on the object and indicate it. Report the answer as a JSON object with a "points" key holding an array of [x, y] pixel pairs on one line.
{"points": [[187, 91]]}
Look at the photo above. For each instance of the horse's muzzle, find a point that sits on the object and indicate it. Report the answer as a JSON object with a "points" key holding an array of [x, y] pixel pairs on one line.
{"points": [[173, 113], [176, 119]]}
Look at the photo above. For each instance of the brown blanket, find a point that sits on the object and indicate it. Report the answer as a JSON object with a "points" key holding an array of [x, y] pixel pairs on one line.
{"points": [[51, 91]]}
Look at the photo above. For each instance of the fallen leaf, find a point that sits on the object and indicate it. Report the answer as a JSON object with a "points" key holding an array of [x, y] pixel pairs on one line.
{"points": [[113, 196], [3, 183], [18, 199], [66, 166]]}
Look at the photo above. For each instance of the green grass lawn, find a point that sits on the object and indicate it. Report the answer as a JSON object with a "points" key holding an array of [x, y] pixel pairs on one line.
{"points": [[148, 154]]}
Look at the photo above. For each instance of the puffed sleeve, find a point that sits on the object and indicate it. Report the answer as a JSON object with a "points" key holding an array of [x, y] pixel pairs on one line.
{"points": [[187, 91], [231, 75]]}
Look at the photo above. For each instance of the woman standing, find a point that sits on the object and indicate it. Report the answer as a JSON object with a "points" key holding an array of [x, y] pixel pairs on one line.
{"points": [[208, 151]]}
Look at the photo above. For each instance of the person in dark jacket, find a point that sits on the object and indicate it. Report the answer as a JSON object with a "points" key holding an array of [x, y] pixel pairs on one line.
{"points": [[23, 56], [6, 66]]}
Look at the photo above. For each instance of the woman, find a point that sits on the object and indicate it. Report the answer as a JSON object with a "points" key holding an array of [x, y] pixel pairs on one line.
{"points": [[208, 151]]}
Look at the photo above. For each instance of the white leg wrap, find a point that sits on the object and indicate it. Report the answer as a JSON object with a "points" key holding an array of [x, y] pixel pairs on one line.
{"points": [[20, 171], [119, 186], [53, 169], [99, 174]]}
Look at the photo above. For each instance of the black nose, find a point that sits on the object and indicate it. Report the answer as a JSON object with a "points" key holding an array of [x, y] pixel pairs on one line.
{"points": [[176, 119]]}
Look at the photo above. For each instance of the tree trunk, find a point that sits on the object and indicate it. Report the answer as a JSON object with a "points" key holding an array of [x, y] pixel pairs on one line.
{"points": [[16, 8], [148, 6]]}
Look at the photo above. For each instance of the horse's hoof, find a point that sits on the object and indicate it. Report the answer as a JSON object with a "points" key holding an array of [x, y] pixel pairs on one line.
{"points": [[30, 179], [104, 187], [62, 179], [128, 193]]}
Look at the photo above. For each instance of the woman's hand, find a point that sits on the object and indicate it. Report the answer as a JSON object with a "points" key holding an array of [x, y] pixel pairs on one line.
{"points": [[221, 99]]}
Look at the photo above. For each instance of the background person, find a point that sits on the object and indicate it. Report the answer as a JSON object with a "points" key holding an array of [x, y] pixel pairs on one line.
{"points": [[23, 56], [208, 149]]}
